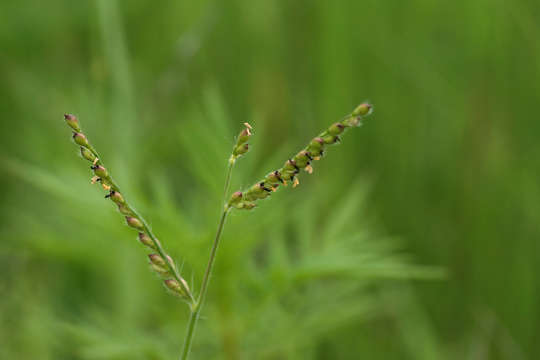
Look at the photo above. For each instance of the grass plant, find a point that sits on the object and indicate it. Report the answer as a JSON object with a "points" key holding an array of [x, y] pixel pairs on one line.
{"points": [[160, 261]]}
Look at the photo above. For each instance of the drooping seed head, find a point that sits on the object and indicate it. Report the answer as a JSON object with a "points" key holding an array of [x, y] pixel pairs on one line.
{"points": [[146, 240], [87, 154], [80, 139], [72, 122], [134, 223]]}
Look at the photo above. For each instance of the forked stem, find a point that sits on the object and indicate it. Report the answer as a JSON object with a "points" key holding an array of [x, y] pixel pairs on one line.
{"points": [[197, 306]]}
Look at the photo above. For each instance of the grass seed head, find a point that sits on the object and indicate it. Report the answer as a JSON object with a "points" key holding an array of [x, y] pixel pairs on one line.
{"points": [[302, 160]]}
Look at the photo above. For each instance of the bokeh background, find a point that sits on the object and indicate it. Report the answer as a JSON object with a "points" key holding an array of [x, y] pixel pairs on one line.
{"points": [[416, 238]]}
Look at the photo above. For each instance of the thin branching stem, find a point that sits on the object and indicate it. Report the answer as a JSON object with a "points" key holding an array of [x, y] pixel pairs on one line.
{"points": [[196, 308]]}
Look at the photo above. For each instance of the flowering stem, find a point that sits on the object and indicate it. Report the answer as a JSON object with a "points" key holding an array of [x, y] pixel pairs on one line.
{"points": [[196, 307]]}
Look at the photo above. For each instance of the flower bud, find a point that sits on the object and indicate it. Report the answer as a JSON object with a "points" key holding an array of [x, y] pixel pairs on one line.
{"points": [[316, 146], [117, 197], [124, 210], [241, 149], [72, 121], [134, 223], [160, 269], [87, 154], [248, 205], [287, 175], [100, 171], [174, 286], [257, 191], [290, 165], [243, 137], [362, 109], [330, 139], [336, 129], [147, 240], [80, 139], [317, 143], [157, 260], [235, 198], [274, 177], [302, 159], [353, 121]]}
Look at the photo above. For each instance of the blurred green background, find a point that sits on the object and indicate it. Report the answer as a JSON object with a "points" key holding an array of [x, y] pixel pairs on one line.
{"points": [[416, 238]]}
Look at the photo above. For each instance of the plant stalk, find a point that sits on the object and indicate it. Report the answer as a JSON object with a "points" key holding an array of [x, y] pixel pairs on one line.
{"points": [[196, 307]]}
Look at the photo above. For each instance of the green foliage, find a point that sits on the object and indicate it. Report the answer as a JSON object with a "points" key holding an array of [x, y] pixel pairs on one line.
{"points": [[448, 165]]}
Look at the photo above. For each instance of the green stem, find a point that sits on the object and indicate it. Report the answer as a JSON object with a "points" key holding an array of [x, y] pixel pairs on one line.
{"points": [[196, 308]]}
